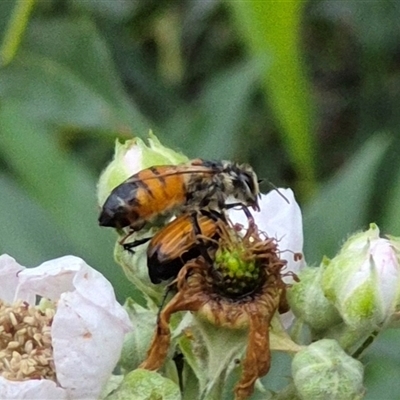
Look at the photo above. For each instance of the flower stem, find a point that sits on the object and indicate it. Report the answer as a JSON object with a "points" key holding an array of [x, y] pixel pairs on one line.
{"points": [[15, 29], [364, 346]]}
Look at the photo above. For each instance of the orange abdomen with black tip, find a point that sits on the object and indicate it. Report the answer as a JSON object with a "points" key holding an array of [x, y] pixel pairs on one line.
{"points": [[148, 194], [157, 194]]}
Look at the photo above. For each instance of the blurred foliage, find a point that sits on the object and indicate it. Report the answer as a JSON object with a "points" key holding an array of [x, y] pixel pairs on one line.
{"points": [[307, 92]]}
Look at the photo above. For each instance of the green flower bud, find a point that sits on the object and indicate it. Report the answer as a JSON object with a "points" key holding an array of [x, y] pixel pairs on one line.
{"points": [[323, 371], [144, 385], [131, 157], [363, 280], [308, 302]]}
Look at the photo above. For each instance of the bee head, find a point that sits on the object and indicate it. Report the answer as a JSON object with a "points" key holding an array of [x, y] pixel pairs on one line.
{"points": [[245, 185]]}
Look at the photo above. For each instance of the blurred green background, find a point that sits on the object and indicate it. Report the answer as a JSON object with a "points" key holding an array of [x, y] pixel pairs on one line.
{"points": [[307, 92]]}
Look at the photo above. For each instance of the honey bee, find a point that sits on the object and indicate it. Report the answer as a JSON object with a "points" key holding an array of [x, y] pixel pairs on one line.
{"points": [[186, 237], [165, 190]]}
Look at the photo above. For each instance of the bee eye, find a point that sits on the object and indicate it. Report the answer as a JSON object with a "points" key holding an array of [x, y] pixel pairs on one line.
{"points": [[249, 182]]}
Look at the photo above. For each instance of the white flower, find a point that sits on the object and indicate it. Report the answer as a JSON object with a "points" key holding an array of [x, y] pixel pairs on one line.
{"points": [[87, 329], [279, 217]]}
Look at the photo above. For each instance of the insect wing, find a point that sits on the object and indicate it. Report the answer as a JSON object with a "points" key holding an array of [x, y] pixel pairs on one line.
{"points": [[171, 241], [177, 243]]}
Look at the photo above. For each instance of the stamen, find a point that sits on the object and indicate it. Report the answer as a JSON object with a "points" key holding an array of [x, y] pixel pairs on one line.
{"points": [[25, 342]]}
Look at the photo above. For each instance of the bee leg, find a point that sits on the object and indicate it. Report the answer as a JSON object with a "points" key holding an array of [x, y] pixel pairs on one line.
{"points": [[221, 201], [252, 225], [233, 205], [245, 210], [214, 215], [250, 218], [122, 241], [132, 230], [135, 243]]}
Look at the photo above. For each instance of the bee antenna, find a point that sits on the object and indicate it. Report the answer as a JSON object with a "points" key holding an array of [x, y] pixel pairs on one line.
{"points": [[280, 194]]}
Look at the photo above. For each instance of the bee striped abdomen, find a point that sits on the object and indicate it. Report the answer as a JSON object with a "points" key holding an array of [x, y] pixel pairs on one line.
{"points": [[144, 196], [158, 197]]}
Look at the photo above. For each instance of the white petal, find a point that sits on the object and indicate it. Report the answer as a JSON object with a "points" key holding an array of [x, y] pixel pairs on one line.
{"points": [[51, 278], [94, 287], [280, 217], [9, 275], [388, 271], [282, 220], [133, 160], [29, 390], [87, 333], [87, 342]]}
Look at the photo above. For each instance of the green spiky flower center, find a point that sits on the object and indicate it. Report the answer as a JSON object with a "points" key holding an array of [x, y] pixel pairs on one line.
{"points": [[237, 273]]}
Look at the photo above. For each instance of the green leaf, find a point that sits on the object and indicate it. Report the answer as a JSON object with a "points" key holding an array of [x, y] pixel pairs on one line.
{"points": [[116, 10], [382, 367], [14, 33], [273, 28], [214, 124], [69, 82], [28, 233], [225, 103], [341, 206], [391, 217]]}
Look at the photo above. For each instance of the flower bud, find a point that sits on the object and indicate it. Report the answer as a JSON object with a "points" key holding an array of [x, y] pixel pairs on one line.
{"points": [[307, 301], [142, 385], [131, 157], [363, 280], [323, 371]]}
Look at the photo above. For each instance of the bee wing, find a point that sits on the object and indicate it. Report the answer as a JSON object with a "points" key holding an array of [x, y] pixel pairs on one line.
{"points": [[162, 171], [170, 241]]}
